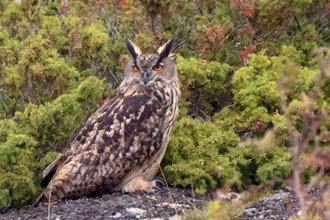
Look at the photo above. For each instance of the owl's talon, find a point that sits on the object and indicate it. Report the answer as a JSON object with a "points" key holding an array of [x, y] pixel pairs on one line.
{"points": [[123, 190], [159, 180], [155, 187]]}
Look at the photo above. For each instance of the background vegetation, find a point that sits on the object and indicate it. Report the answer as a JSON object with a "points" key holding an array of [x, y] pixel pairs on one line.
{"points": [[254, 74]]}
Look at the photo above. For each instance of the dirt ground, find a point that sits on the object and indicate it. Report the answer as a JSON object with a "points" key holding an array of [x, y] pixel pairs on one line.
{"points": [[162, 204]]}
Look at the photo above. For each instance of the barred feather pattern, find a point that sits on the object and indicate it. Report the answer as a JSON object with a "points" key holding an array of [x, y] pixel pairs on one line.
{"points": [[129, 131]]}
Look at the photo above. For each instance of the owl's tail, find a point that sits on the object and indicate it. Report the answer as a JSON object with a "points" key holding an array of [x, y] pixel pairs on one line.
{"points": [[47, 175]]}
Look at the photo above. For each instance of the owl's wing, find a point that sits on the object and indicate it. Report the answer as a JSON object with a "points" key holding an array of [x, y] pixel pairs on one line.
{"points": [[124, 124], [120, 135]]}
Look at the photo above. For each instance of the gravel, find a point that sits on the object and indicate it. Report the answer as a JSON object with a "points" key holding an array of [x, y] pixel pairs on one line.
{"points": [[162, 204], [138, 205], [279, 205]]}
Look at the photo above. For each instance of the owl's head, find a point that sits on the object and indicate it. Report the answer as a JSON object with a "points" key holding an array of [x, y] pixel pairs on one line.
{"points": [[145, 69]]}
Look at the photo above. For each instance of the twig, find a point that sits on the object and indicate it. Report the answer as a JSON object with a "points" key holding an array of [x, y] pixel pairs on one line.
{"points": [[295, 150], [204, 114], [318, 83], [296, 20], [199, 117], [176, 211], [113, 75], [182, 42], [192, 191], [49, 199]]}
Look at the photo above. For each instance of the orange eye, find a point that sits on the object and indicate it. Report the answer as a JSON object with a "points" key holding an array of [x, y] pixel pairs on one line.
{"points": [[136, 68], [158, 67]]}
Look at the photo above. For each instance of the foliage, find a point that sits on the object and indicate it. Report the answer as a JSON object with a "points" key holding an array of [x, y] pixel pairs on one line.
{"points": [[203, 154], [29, 134], [61, 59], [221, 210], [202, 82], [16, 154], [194, 155]]}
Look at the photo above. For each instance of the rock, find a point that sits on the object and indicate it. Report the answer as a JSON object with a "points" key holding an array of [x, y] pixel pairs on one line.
{"points": [[135, 211], [117, 215], [176, 217], [279, 205], [232, 197], [117, 206], [249, 212]]}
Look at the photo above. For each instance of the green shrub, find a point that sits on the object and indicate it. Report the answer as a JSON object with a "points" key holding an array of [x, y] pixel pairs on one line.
{"points": [[202, 83], [40, 127], [193, 157], [57, 61]]}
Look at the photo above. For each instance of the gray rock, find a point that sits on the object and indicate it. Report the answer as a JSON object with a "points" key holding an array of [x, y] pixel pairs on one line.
{"points": [[136, 211]]}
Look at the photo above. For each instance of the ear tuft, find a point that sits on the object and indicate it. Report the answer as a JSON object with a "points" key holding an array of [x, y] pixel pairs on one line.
{"points": [[172, 56], [165, 50], [134, 50]]}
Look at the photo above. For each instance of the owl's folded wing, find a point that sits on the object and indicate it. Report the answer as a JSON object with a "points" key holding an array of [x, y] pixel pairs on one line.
{"points": [[121, 134]]}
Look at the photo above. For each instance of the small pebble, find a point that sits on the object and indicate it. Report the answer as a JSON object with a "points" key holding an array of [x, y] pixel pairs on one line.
{"points": [[135, 211]]}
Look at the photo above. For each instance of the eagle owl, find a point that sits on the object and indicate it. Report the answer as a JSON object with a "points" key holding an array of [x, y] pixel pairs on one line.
{"points": [[122, 144]]}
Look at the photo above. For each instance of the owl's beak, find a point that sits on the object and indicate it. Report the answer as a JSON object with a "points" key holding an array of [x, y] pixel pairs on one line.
{"points": [[145, 77]]}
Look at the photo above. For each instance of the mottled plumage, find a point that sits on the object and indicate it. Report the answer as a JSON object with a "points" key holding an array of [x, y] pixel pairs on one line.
{"points": [[122, 144]]}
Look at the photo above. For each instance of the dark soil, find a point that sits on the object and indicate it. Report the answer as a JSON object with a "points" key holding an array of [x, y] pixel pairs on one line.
{"points": [[279, 205]]}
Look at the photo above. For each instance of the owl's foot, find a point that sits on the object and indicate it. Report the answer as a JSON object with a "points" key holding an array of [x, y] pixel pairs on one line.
{"points": [[141, 184], [159, 180]]}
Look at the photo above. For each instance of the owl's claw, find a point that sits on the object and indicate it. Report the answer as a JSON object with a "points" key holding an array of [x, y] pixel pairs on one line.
{"points": [[159, 180], [139, 183], [123, 190], [155, 187]]}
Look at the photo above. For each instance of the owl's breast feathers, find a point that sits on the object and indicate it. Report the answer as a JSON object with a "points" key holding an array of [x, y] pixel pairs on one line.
{"points": [[125, 131]]}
